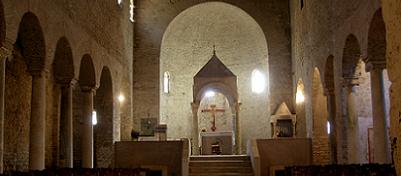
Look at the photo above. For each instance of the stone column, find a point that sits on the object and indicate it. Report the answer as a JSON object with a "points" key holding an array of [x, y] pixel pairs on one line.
{"points": [[195, 129], [37, 122], [87, 127], [331, 106], [66, 127], [4, 54], [380, 137], [238, 146], [353, 126]]}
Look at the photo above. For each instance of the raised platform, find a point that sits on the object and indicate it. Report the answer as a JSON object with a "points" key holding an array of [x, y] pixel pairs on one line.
{"points": [[210, 165]]}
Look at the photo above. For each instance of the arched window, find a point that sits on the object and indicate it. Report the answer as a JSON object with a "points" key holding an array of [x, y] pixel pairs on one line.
{"points": [[94, 118], [120, 3], [258, 81], [166, 82]]}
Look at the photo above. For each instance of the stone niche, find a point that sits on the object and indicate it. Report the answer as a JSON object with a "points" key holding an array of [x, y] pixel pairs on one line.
{"points": [[283, 122]]}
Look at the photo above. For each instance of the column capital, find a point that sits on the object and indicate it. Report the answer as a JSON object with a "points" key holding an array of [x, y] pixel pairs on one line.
{"points": [[374, 64], [329, 91], [85, 88], [38, 73], [5, 53], [350, 81], [68, 83]]}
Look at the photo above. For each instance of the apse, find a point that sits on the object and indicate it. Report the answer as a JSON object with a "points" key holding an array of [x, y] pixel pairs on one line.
{"points": [[191, 39]]}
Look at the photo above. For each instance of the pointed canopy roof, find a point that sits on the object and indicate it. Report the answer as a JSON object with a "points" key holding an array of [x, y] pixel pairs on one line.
{"points": [[283, 110], [214, 68]]}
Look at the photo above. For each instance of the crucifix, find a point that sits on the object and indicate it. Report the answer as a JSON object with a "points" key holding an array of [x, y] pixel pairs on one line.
{"points": [[213, 110]]}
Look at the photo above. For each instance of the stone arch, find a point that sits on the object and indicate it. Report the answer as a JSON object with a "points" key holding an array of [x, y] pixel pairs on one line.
{"points": [[217, 87], [377, 38], [320, 138], [376, 64], [63, 65], [63, 74], [31, 43], [351, 56], [87, 76], [82, 112], [103, 131], [301, 126], [331, 105], [352, 74], [244, 44]]}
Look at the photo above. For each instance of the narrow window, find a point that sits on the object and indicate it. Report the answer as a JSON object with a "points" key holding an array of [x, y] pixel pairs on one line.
{"points": [[94, 118], [166, 82], [258, 81], [328, 127], [120, 3], [302, 4], [131, 10]]}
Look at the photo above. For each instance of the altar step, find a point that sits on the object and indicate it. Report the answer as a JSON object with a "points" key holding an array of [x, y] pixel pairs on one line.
{"points": [[223, 165]]}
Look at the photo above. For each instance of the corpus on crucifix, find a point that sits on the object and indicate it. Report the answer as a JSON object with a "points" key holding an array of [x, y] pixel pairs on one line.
{"points": [[213, 111]]}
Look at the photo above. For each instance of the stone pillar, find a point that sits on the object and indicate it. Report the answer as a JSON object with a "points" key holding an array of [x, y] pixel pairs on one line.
{"points": [[37, 122], [87, 127], [195, 129], [353, 126], [66, 127], [238, 146], [331, 106], [380, 137], [4, 54]]}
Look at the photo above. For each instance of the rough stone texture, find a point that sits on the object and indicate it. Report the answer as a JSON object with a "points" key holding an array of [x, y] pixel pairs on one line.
{"points": [[99, 28], [320, 139], [392, 14], [152, 19], [17, 115]]}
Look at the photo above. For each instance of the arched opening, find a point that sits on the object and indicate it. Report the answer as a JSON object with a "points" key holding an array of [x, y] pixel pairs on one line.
{"points": [[356, 104], [103, 130], [376, 64], [83, 108], [29, 54], [63, 74], [320, 138], [215, 115], [330, 93], [241, 45], [301, 130]]}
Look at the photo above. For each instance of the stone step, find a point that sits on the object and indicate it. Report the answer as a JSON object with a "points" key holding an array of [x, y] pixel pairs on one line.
{"points": [[221, 174], [227, 169], [220, 157], [219, 163]]}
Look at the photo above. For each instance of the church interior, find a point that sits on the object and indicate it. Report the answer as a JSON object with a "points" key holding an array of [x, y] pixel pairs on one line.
{"points": [[200, 87]]}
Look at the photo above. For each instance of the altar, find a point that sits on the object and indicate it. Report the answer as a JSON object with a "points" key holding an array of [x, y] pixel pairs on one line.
{"points": [[217, 143]]}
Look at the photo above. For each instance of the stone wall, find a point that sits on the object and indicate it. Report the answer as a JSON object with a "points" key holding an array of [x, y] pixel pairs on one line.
{"points": [[17, 115], [319, 31], [99, 28], [151, 53], [392, 14], [152, 20]]}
